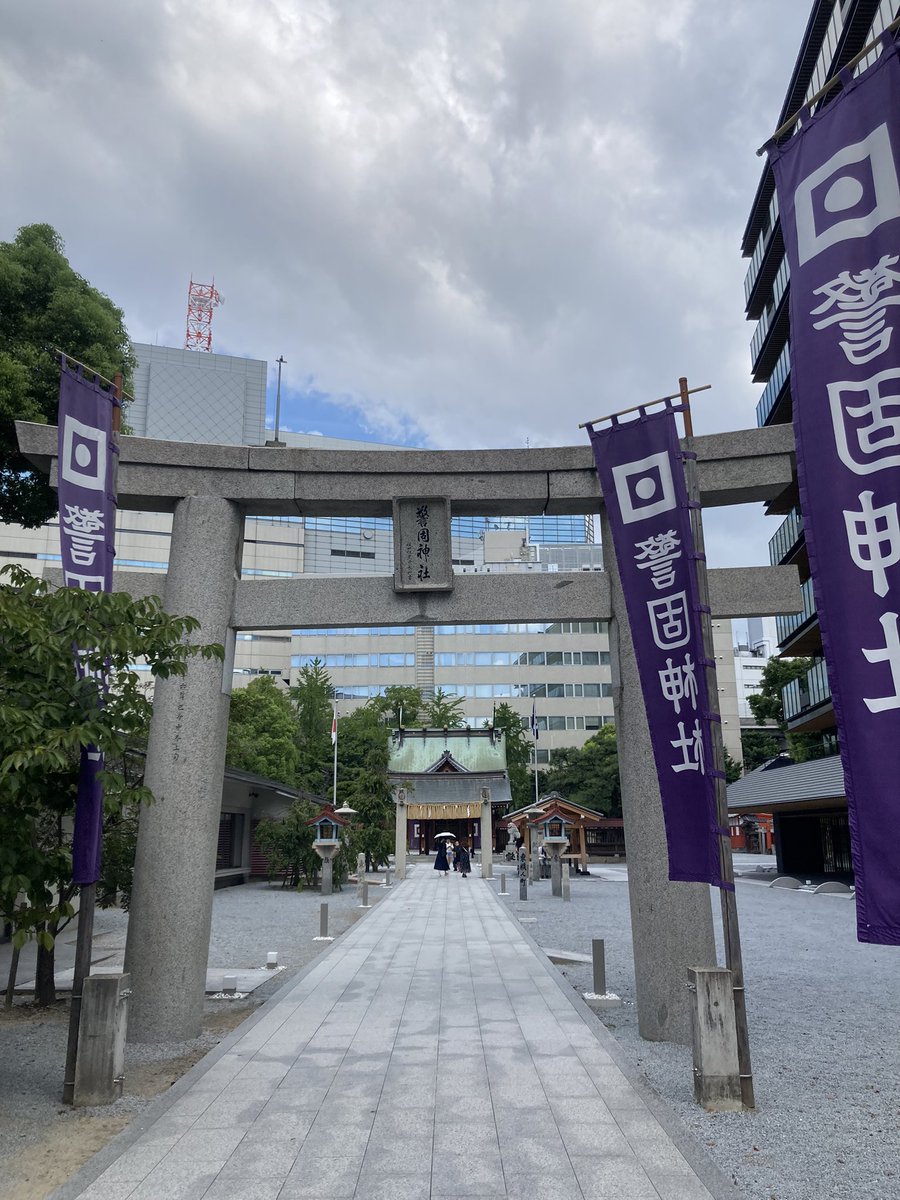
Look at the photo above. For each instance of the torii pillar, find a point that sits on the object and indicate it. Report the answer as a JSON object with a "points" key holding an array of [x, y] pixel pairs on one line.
{"points": [[671, 923], [175, 864]]}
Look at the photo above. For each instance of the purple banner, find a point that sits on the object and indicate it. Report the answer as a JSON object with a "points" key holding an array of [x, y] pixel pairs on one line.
{"points": [[642, 479], [839, 197], [87, 516]]}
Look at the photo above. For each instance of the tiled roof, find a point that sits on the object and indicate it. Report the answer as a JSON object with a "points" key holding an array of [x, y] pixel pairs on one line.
{"points": [[772, 786]]}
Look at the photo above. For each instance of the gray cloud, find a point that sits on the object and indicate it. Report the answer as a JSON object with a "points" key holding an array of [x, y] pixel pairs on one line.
{"points": [[486, 220]]}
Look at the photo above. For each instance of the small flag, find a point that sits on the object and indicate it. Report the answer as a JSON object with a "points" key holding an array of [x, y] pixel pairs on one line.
{"points": [[334, 730], [534, 724]]}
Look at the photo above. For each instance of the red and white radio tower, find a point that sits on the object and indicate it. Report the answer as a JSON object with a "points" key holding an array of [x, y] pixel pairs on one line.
{"points": [[202, 299]]}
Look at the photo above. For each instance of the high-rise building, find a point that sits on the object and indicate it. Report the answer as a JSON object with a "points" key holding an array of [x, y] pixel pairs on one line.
{"points": [[562, 670], [836, 32]]}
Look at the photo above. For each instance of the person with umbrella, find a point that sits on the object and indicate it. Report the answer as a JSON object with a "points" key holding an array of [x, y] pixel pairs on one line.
{"points": [[440, 861]]}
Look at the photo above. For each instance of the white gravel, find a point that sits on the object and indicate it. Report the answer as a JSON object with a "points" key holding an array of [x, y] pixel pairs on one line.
{"points": [[823, 1030]]}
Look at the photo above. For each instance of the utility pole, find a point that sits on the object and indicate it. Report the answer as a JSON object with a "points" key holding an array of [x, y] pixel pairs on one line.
{"points": [[281, 361]]}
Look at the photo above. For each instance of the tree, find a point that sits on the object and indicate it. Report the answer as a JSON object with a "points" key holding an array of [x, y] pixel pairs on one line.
{"points": [[590, 775], [312, 699], [47, 714], [767, 705], [443, 710], [401, 702], [44, 304], [262, 731], [288, 845], [758, 747], [733, 769], [363, 753], [518, 754]]}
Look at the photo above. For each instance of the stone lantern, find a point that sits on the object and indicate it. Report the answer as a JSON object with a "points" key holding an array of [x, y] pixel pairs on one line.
{"points": [[555, 824], [328, 825]]}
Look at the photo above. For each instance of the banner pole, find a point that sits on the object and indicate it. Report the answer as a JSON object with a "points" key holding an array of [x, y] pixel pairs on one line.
{"points": [[84, 937], [731, 929]]}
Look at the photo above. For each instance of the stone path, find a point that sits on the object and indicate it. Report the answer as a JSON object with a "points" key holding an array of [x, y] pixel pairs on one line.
{"points": [[431, 1052]]}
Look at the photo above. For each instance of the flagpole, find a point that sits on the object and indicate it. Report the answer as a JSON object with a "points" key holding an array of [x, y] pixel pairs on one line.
{"points": [[87, 899], [730, 927], [334, 741]]}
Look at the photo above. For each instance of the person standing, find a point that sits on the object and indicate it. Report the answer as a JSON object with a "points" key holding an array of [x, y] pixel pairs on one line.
{"points": [[465, 863], [440, 861]]}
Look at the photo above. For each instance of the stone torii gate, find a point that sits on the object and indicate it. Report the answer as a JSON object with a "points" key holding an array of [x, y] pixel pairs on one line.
{"points": [[210, 489]]}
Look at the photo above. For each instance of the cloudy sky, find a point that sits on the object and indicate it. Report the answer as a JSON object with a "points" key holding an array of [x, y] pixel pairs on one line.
{"points": [[463, 223]]}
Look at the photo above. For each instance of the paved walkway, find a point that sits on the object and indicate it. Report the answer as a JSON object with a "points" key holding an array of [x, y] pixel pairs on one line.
{"points": [[431, 1052]]}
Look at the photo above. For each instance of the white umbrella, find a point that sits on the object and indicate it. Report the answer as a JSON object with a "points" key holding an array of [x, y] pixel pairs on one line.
{"points": [[444, 835]]}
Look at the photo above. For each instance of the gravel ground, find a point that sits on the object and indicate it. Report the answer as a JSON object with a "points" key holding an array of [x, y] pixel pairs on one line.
{"points": [[822, 1012], [247, 922], [822, 1009]]}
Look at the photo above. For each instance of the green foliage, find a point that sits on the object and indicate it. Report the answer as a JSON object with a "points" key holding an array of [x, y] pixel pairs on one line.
{"points": [[590, 775], [45, 304], [518, 754], [443, 710], [766, 705], [47, 714], [363, 754], [733, 769], [288, 845], [758, 748], [399, 701], [262, 731], [312, 699]]}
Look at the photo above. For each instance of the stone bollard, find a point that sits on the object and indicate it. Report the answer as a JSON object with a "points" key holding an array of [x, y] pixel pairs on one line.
{"points": [[360, 877], [271, 960], [523, 887], [717, 1079], [387, 876], [323, 919], [229, 985], [598, 960], [364, 895], [503, 891], [566, 882], [100, 1066]]}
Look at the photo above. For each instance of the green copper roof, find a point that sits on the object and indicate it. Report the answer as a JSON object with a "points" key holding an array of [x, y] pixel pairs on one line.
{"points": [[416, 751]]}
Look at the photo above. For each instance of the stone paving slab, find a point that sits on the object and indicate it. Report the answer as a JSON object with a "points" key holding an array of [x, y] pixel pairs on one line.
{"points": [[430, 1052], [248, 978]]}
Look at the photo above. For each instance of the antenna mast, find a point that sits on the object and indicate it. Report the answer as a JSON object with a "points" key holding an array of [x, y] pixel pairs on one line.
{"points": [[202, 299]]}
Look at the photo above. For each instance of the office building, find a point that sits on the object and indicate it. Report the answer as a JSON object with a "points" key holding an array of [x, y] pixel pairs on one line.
{"points": [[808, 813]]}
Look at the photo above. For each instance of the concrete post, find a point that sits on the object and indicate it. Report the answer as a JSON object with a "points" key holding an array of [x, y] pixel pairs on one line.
{"points": [[175, 863], [487, 836], [100, 1067], [671, 923], [566, 881], [598, 961], [323, 920], [360, 879], [717, 1077], [503, 891], [400, 834]]}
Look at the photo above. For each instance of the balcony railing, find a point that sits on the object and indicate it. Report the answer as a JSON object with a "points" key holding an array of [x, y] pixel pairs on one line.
{"points": [[773, 388], [779, 285], [759, 253], [786, 537], [787, 625], [806, 692]]}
